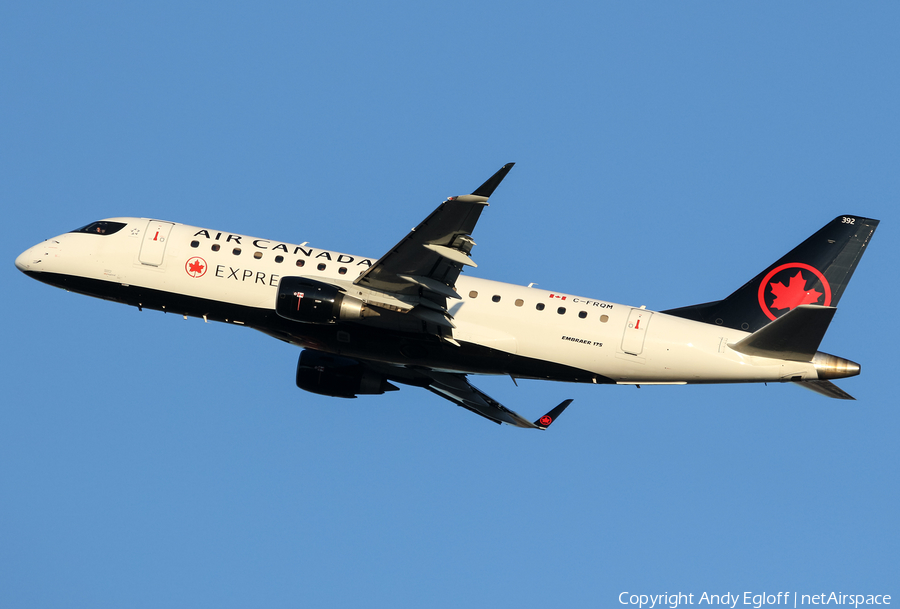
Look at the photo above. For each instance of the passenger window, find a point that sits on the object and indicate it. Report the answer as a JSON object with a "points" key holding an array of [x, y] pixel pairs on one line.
{"points": [[236, 251], [257, 255], [604, 318], [195, 244], [279, 259], [561, 310], [300, 262], [519, 302], [473, 294], [216, 247], [321, 266], [539, 306], [342, 270], [495, 298], [582, 314]]}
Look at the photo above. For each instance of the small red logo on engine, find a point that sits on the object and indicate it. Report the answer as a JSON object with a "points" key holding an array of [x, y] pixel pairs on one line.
{"points": [[790, 285], [195, 267]]}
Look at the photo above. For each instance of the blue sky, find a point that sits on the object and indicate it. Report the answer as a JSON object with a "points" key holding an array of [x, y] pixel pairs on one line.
{"points": [[666, 153]]}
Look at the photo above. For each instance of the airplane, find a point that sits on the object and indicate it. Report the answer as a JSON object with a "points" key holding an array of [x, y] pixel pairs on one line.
{"points": [[412, 317]]}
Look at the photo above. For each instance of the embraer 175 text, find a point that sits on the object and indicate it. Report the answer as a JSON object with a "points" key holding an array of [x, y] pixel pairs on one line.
{"points": [[410, 317]]}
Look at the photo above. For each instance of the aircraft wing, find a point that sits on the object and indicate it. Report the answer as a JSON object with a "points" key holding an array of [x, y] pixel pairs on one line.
{"points": [[428, 261], [456, 388]]}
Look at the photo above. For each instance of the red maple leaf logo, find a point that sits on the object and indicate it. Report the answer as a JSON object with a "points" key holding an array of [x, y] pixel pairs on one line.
{"points": [[545, 420], [195, 267], [794, 294]]}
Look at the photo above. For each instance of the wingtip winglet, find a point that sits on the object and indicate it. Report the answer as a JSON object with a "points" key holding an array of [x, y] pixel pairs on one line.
{"points": [[545, 421], [488, 188]]}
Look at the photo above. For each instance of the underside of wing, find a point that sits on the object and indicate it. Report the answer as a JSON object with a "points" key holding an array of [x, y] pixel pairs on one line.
{"points": [[457, 389], [426, 263]]}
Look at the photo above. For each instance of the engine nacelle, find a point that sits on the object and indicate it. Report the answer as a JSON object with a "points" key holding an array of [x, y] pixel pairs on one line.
{"points": [[339, 377], [314, 302]]}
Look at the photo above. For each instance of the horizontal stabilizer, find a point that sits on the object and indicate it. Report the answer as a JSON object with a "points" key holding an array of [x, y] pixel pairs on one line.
{"points": [[795, 336], [826, 388]]}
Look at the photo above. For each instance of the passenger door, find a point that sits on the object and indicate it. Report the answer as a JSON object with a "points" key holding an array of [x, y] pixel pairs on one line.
{"points": [[153, 247]]}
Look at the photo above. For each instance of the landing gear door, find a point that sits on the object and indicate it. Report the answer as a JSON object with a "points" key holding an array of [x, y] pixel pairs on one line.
{"points": [[153, 247], [635, 330]]}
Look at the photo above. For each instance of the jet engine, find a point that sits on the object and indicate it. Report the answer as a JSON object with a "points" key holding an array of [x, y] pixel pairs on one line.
{"points": [[339, 377], [314, 302]]}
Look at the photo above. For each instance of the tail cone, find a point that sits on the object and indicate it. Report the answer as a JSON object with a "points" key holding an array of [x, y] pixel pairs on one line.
{"points": [[833, 367]]}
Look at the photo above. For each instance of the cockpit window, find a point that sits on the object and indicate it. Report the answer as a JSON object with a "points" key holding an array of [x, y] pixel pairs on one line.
{"points": [[101, 228]]}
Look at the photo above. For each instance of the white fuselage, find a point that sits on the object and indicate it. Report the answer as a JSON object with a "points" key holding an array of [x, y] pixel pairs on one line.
{"points": [[199, 267]]}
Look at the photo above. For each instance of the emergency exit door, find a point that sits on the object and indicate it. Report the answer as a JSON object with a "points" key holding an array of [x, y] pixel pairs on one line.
{"points": [[153, 247], [635, 330]]}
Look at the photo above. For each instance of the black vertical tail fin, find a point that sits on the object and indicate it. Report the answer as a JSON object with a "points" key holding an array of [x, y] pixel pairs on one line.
{"points": [[815, 272]]}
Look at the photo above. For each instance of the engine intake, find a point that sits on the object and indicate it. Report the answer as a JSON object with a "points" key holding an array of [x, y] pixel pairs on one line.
{"points": [[339, 377], [313, 302]]}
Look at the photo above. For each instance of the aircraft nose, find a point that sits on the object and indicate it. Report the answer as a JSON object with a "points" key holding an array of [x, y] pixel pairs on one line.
{"points": [[24, 260], [30, 259]]}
